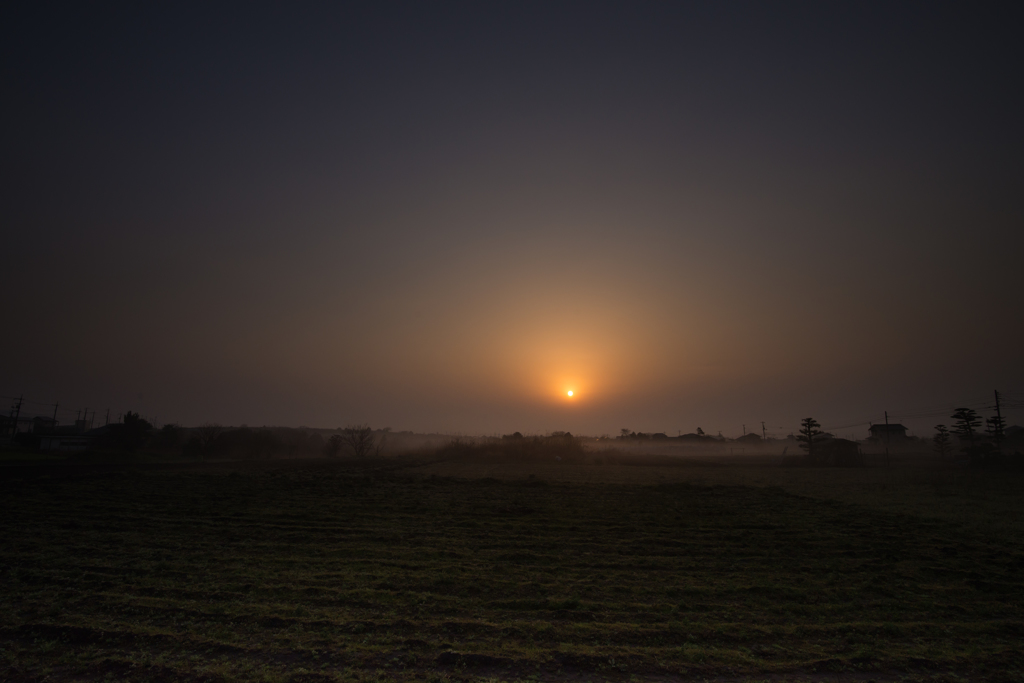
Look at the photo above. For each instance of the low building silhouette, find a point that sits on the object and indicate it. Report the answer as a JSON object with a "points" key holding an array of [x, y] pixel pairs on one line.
{"points": [[892, 432], [838, 452]]}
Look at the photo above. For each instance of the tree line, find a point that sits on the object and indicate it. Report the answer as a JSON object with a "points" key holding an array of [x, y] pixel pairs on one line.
{"points": [[979, 446], [211, 440]]}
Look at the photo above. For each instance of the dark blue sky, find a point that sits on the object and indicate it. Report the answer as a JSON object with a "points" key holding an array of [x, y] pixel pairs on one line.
{"points": [[443, 216]]}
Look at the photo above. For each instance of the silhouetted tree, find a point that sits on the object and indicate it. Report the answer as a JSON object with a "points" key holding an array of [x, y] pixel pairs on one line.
{"points": [[171, 435], [206, 434], [359, 439], [132, 432], [700, 432], [333, 446], [995, 427], [965, 425], [808, 433], [941, 440]]}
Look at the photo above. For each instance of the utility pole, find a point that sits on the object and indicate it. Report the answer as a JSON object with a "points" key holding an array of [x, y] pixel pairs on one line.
{"points": [[764, 432], [107, 420], [55, 414], [886, 438], [744, 430], [999, 422]]}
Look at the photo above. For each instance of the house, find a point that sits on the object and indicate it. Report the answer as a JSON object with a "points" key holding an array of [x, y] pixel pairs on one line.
{"points": [[890, 432], [43, 425], [1013, 439], [6, 425]]}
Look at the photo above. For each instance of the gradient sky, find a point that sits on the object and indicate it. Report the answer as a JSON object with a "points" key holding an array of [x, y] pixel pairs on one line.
{"points": [[441, 217]]}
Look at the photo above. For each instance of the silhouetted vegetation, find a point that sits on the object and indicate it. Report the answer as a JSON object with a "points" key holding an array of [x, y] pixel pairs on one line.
{"points": [[995, 428], [172, 436], [333, 447], [965, 425], [128, 436], [213, 441], [660, 436], [201, 443], [358, 440], [809, 432]]}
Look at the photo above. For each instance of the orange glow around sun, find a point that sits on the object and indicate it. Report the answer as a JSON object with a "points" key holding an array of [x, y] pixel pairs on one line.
{"points": [[570, 391]]}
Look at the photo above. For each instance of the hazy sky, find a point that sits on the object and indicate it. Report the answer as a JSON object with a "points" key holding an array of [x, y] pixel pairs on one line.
{"points": [[442, 217]]}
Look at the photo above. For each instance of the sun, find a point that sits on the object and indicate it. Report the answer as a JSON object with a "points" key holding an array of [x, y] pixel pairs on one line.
{"points": [[569, 392]]}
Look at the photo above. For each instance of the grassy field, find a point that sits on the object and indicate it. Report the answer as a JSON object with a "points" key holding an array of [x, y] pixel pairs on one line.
{"points": [[986, 502], [394, 570]]}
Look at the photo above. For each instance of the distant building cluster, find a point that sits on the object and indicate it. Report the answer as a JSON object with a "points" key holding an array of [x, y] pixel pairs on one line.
{"points": [[48, 435]]}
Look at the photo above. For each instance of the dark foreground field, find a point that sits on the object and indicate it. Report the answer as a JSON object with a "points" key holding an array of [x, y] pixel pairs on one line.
{"points": [[323, 572]]}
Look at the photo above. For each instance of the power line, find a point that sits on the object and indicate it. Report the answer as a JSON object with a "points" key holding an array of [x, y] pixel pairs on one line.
{"points": [[849, 426]]}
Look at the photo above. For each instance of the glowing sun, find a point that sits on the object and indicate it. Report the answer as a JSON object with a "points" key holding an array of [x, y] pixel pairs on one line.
{"points": [[569, 392]]}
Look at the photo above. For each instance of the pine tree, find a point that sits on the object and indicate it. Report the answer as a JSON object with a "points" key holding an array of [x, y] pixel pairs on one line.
{"points": [[808, 433], [965, 425]]}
